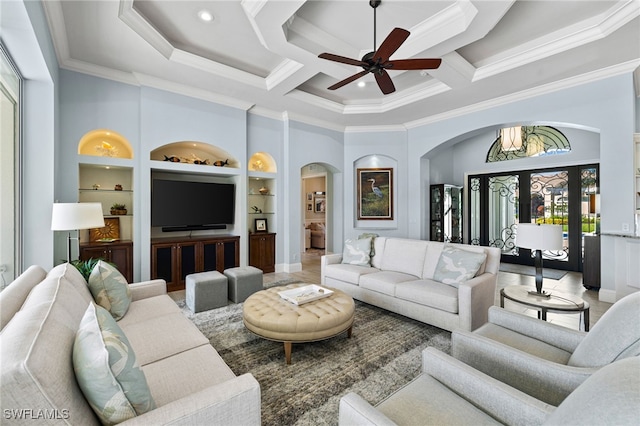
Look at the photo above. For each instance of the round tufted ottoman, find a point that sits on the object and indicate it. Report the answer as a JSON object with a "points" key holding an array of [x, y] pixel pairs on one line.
{"points": [[269, 316]]}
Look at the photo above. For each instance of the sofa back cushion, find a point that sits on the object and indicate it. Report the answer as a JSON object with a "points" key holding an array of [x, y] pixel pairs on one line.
{"points": [[404, 255], [36, 349], [378, 251], [615, 336], [431, 259], [13, 296]]}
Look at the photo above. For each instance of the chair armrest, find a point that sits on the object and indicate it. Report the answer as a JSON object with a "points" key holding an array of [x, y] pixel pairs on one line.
{"points": [[234, 402], [498, 399], [354, 410], [545, 380], [475, 297], [328, 259], [553, 334], [146, 289]]}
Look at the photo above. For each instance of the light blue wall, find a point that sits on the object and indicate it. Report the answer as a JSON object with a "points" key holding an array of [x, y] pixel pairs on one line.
{"points": [[305, 144], [25, 34]]}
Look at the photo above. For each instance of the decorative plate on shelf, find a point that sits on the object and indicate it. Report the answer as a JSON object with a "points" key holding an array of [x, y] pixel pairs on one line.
{"points": [[110, 232]]}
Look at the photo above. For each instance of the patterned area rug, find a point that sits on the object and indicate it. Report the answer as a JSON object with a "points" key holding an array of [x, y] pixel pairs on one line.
{"points": [[383, 354]]}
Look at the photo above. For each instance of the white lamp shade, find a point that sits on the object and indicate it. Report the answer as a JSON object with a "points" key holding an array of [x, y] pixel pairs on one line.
{"points": [[72, 216], [539, 237]]}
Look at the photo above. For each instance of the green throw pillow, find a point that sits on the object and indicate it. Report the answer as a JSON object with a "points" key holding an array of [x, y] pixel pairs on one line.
{"points": [[110, 289], [456, 266], [357, 252], [106, 369]]}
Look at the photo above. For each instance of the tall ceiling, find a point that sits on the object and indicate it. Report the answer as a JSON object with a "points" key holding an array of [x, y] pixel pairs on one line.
{"points": [[263, 54]]}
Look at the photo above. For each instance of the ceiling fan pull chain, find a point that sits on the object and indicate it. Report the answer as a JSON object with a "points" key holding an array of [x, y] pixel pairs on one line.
{"points": [[374, 29]]}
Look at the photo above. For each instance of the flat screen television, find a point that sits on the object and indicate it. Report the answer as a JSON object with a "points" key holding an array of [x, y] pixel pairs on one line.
{"points": [[178, 205]]}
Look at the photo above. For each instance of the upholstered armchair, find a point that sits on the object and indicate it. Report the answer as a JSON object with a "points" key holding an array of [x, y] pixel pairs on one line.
{"points": [[449, 392], [317, 235], [545, 360]]}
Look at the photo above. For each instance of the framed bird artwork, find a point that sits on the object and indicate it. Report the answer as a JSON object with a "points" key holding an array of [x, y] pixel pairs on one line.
{"points": [[375, 194]]}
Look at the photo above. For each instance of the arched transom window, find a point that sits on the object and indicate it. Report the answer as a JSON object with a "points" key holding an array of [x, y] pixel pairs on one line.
{"points": [[527, 141]]}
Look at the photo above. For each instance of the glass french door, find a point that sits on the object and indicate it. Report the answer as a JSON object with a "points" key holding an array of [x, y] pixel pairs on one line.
{"points": [[562, 196]]}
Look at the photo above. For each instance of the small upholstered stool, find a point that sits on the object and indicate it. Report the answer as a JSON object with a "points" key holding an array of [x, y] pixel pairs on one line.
{"points": [[243, 282], [206, 290]]}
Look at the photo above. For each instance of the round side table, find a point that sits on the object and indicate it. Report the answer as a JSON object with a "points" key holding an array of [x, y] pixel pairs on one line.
{"points": [[557, 302]]}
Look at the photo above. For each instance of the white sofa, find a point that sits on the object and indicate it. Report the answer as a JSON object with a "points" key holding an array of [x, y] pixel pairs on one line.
{"points": [[400, 278], [188, 380]]}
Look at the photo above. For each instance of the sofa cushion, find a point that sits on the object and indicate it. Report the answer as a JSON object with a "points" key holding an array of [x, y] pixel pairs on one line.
{"points": [[33, 375], [429, 293], [110, 289], [434, 249], [162, 337], [106, 369], [357, 252], [186, 373], [14, 295], [149, 308], [348, 273], [377, 251], [384, 281], [404, 255], [457, 266]]}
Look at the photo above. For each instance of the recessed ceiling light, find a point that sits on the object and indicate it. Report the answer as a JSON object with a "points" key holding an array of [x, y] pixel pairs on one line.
{"points": [[205, 15], [362, 84]]}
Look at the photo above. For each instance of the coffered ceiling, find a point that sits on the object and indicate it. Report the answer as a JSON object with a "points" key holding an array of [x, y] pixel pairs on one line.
{"points": [[263, 54]]}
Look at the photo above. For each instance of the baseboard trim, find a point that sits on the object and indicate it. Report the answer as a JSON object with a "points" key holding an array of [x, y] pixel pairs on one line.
{"points": [[289, 267], [608, 296]]}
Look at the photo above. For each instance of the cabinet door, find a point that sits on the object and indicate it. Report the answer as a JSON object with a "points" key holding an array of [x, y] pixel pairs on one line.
{"points": [[120, 256], [187, 258], [210, 256], [262, 251], [163, 264], [87, 253]]}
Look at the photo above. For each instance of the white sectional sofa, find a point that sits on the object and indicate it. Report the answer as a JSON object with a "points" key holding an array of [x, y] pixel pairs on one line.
{"points": [[402, 277], [187, 378]]}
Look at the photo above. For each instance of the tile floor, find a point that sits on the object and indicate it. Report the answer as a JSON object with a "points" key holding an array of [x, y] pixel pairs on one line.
{"points": [[571, 283]]}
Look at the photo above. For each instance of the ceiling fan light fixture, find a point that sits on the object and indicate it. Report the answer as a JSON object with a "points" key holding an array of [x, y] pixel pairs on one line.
{"points": [[362, 84], [205, 15]]}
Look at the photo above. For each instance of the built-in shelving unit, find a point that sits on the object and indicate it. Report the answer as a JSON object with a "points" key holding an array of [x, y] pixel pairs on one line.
{"points": [[261, 200], [97, 184]]}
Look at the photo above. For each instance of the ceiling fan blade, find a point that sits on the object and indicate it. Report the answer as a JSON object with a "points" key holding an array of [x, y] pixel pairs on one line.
{"points": [[413, 64], [384, 82], [390, 44], [348, 80], [341, 59]]}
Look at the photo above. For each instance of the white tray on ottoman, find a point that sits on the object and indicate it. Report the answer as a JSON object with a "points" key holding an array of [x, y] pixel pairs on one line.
{"points": [[305, 294]]}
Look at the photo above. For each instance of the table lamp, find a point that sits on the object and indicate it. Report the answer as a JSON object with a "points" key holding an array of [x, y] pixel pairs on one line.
{"points": [[538, 238], [76, 216]]}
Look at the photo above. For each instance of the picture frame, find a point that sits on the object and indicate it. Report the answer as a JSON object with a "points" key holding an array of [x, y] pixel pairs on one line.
{"points": [[374, 193], [309, 196], [319, 203], [261, 225], [309, 207]]}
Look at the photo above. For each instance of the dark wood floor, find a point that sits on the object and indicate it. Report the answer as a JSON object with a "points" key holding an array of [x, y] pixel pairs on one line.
{"points": [[571, 283]]}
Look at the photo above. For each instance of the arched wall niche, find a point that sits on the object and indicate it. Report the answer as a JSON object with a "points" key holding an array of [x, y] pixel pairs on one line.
{"points": [[262, 162], [194, 152], [105, 143]]}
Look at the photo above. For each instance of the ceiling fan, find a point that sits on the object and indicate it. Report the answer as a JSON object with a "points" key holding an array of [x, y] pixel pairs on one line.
{"points": [[377, 62]]}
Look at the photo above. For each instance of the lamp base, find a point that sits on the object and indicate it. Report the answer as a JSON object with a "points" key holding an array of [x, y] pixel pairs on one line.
{"points": [[544, 294]]}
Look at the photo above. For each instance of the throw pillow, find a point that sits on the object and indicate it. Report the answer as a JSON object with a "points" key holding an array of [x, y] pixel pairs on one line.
{"points": [[110, 289], [373, 237], [106, 369], [456, 266], [357, 252]]}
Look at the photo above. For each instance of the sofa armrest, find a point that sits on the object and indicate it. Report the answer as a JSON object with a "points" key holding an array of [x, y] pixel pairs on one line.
{"points": [[328, 259], [234, 402], [503, 402], [553, 334], [146, 289], [475, 297], [545, 380], [354, 410]]}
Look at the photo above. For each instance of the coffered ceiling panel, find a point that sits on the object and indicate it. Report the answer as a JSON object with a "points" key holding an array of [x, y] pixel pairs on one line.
{"points": [[263, 54]]}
